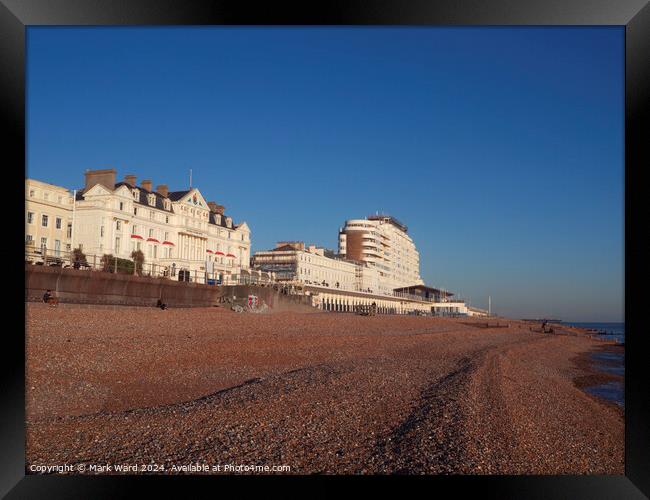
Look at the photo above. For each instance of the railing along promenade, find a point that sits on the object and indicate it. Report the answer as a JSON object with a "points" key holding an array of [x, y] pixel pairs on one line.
{"points": [[226, 274]]}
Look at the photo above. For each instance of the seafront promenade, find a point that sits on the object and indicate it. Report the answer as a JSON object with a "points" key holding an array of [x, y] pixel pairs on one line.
{"points": [[320, 393]]}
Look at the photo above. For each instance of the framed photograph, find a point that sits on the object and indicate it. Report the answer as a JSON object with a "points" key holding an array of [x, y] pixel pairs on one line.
{"points": [[360, 239]]}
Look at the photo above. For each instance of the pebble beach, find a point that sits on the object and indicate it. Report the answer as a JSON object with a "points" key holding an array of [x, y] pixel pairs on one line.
{"points": [[328, 393]]}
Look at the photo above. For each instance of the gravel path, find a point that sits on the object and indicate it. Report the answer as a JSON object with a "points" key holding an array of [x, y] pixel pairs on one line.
{"points": [[322, 393]]}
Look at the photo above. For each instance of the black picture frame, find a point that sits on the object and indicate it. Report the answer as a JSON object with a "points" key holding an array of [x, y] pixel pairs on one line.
{"points": [[16, 15]]}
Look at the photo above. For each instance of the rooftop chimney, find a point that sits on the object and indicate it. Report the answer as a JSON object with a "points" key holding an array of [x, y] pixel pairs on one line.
{"points": [[105, 177], [130, 179], [162, 190], [219, 209], [146, 184]]}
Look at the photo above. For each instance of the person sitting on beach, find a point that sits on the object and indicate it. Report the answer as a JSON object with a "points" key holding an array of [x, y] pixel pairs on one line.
{"points": [[161, 304], [49, 298]]}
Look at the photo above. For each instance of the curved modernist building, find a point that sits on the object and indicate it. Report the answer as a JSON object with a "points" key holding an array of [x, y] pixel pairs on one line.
{"points": [[383, 243]]}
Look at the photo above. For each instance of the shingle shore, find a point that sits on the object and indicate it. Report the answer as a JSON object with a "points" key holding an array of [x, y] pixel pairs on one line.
{"points": [[322, 393]]}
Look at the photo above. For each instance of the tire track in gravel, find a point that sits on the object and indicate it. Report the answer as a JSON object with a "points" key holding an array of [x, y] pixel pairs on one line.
{"points": [[428, 441], [115, 440], [434, 438], [235, 394]]}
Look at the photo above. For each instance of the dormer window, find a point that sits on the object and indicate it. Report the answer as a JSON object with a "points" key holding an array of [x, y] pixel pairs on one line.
{"points": [[167, 204], [151, 198], [217, 218], [136, 194], [228, 222]]}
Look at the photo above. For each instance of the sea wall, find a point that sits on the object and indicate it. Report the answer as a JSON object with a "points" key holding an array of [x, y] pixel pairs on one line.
{"points": [[97, 287]]}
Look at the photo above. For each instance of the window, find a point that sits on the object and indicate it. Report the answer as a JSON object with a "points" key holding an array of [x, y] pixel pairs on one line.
{"points": [[69, 230], [44, 220], [150, 233], [118, 225], [166, 219], [152, 199], [155, 251], [136, 195], [101, 232], [151, 214], [32, 193], [117, 244], [30, 217], [57, 247], [168, 205], [166, 236], [43, 243], [135, 210], [58, 222], [121, 205], [29, 238], [134, 229]]}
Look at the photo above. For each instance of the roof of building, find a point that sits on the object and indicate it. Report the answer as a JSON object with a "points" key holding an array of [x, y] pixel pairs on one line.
{"points": [[286, 248], [390, 219], [177, 195], [423, 288], [46, 184], [160, 205]]}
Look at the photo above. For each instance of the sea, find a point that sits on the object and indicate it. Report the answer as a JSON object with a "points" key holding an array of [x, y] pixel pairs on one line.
{"points": [[608, 362], [613, 331]]}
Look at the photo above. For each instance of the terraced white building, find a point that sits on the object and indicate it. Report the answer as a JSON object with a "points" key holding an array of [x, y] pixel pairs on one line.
{"points": [[180, 233]]}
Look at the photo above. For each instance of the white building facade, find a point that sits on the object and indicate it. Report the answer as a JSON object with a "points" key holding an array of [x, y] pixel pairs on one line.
{"points": [[292, 262], [48, 219], [180, 234]]}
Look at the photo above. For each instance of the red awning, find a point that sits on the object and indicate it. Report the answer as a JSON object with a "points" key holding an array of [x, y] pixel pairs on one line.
{"points": [[219, 253], [153, 239], [136, 236], [168, 243], [209, 251], [231, 255]]}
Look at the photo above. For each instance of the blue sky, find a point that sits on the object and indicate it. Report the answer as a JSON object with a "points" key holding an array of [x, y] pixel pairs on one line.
{"points": [[500, 148]]}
